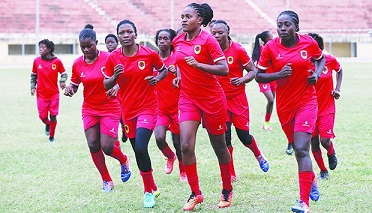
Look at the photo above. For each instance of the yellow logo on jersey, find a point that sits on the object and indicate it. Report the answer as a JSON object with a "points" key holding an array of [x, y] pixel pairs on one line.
{"points": [[126, 127], [230, 59], [197, 49], [304, 54], [141, 65], [325, 70], [54, 66]]}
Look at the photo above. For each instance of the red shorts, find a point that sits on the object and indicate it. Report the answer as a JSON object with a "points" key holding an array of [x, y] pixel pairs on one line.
{"points": [[47, 106], [238, 111], [302, 119], [146, 121], [264, 87], [108, 125], [324, 126], [211, 113], [168, 120]]}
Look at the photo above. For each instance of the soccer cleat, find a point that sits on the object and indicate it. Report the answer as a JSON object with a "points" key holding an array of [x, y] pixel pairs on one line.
{"points": [[47, 129], [169, 164], [264, 165], [193, 201], [124, 137], [183, 177], [156, 193], [226, 198], [148, 200], [301, 207], [108, 186], [125, 171], [289, 150], [51, 139], [314, 193], [332, 161], [266, 126], [323, 175]]}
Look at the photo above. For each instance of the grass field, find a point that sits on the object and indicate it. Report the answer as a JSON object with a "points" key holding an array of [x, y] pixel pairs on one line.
{"points": [[38, 176]]}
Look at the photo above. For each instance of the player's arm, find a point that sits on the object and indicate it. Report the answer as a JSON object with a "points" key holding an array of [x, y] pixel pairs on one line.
{"points": [[219, 68], [336, 91], [263, 77], [319, 66], [153, 80], [62, 80], [71, 90], [33, 83], [110, 82], [251, 74], [177, 80]]}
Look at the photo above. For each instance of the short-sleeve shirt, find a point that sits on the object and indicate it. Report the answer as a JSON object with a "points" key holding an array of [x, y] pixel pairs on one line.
{"points": [[324, 86], [294, 90], [136, 95], [91, 76], [195, 83], [47, 77], [167, 95], [237, 58]]}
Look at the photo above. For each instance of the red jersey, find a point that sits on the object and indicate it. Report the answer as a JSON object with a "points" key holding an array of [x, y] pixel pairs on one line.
{"points": [[324, 86], [47, 77], [136, 95], [166, 94], [197, 83], [91, 76], [237, 58], [295, 89]]}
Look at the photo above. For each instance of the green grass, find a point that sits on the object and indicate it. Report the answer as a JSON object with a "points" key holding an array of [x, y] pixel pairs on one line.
{"points": [[38, 176]]}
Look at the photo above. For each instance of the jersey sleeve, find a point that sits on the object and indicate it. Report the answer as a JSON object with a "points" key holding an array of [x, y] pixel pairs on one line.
{"points": [[109, 67], [61, 67], [215, 50], [34, 67], [335, 64], [74, 76], [158, 64], [265, 58], [244, 58], [317, 53]]}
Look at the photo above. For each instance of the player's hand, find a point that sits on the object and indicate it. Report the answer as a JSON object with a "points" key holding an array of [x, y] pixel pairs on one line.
{"points": [[62, 85], [69, 91], [313, 78], [176, 82], [152, 80], [111, 93], [190, 60], [118, 69], [236, 81], [335, 94], [33, 91], [286, 71]]}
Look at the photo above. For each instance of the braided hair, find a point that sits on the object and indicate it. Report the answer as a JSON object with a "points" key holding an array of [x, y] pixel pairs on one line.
{"points": [[126, 21], [318, 40], [88, 33], [264, 36], [204, 11], [49, 44], [219, 21], [112, 36], [293, 16], [171, 32]]}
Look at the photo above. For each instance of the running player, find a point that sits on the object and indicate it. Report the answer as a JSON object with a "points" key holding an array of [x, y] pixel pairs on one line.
{"points": [[100, 113], [131, 67], [234, 89], [326, 95], [199, 58], [44, 77], [167, 97], [290, 55]]}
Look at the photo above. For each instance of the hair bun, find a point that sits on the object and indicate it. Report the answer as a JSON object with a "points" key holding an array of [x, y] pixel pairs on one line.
{"points": [[89, 26]]}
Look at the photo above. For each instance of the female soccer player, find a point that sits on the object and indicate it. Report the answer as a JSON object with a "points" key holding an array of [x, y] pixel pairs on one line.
{"points": [[268, 89], [290, 55], [199, 58], [131, 67], [234, 89], [167, 97], [44, 79], [326, 95], [100, 113]]}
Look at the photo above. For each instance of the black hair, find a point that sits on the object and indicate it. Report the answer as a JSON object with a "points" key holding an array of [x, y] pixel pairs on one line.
{"points": [[256, 53], [219, 21], [111, 36], [88, 33], [318, 40], [171, 32], [293, 16], [49, 44], [204, 11], [126, 21]]}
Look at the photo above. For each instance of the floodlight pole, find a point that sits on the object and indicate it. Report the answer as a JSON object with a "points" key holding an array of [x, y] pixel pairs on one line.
{"points": [[172, 14]]}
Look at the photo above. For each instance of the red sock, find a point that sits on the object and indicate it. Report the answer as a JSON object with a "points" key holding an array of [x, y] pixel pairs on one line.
{"points": [[319, 160], [254, 148], [99, 160], [192, 178], [181, 166], [148, 181], [118, 155], [226, 176], [232, 169], [117, 143], [167, 152], [267, 117], [330, 150], [52, 129], [305, 180]]}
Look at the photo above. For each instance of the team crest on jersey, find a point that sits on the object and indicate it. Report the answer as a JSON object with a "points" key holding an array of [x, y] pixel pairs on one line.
{"points": [[325, 70], [197, 49], [264, 86], [304, 54], [141, 65], [54, 66], [126, 127], [230, 59]]}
